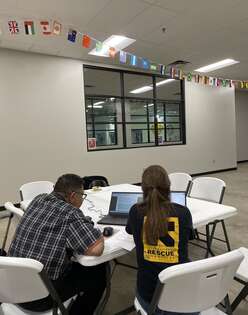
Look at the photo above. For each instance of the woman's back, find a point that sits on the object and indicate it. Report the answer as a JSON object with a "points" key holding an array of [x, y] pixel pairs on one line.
{"points": [[170, 249]]}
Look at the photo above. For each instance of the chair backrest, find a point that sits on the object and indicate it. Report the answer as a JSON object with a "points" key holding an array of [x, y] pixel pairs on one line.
{"points": [[207, 188], [95, 180], [180, 181], [20, 280], [196, 286], [13, 209], [33, 189]]}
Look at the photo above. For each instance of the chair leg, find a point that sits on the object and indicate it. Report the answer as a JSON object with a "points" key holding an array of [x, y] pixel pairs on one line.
{"points": [[104, 300], [7, 232], [209, 241], [228, 305], [242, 295], [226, 236]]}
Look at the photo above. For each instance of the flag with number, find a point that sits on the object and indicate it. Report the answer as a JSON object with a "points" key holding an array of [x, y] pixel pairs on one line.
{"points": [[29, 27], [13, 27]]}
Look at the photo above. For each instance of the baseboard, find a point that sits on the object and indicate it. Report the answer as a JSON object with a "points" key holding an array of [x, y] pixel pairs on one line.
{"points": [[216, 171], [243, 161]]}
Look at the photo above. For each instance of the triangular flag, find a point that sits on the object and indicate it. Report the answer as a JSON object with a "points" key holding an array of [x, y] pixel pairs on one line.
{"points": [[112, 52], [86, 41], [13, 27], [45, 27], [57, 27], [99, 46], [123, 56], [197, 78], [133, 60], [29, 27], [72, 34]]}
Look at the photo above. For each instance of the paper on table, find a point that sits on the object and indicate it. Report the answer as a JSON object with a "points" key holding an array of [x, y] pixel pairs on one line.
{"points": [[124, 240]]}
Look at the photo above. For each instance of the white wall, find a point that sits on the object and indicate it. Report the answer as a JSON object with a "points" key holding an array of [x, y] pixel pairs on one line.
{"points": [[241, 100], [43, 132]]}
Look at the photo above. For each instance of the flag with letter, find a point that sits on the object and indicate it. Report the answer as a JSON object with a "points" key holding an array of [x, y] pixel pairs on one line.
{"points": [[123, 56], [86, 41], [45, 27], [57, 27], [13, 27], [72, 34], [29, 27], [162, 69]]}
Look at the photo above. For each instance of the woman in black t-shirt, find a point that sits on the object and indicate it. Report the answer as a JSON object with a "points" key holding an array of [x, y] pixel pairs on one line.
{"points": [[161, 231]]}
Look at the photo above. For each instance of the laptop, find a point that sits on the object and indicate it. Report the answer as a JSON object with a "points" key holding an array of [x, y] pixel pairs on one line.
{"points": [[121, 203]]}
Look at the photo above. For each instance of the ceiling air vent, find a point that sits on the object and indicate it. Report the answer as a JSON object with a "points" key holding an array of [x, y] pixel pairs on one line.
{"points": [[178, 63]]}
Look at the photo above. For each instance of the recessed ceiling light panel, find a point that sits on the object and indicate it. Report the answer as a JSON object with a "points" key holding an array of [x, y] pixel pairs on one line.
{"points": [[217, 65]]}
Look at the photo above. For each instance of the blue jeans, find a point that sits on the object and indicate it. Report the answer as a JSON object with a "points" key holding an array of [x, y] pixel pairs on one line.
{"points": [[145, 306]]}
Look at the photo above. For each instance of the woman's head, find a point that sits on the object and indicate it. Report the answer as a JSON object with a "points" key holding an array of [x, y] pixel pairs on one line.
{"points": [[155, 176], [156, 205]]}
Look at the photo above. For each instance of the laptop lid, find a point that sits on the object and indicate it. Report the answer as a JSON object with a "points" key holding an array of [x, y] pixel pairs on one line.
{"points": [[178, 197], [121, 202]]}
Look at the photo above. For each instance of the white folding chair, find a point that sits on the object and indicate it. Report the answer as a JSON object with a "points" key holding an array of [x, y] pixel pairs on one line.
{"points": [[196, 286], [30, 190], [24, 280], [242, 277], [180, 181], [211, 189], [12, 210]]}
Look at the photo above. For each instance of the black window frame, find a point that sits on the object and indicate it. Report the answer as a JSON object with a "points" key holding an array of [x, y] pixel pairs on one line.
{"points": [[122, 98]]}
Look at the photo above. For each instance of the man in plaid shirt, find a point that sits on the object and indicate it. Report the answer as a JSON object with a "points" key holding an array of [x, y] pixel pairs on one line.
{"points": [[52, 229]]}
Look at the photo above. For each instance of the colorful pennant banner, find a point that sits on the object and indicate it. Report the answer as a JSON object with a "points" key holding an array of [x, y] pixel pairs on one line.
{"points": [[29, 27]]}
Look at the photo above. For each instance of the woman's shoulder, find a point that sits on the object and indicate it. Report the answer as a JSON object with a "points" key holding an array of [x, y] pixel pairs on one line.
{"points": [[180, 210]]}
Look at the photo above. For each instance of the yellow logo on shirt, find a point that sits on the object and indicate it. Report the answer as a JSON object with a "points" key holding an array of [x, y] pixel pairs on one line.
{"points": [[161, 252]]}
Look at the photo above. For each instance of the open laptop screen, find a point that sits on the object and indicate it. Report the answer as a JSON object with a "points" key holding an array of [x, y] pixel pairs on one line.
{"points": [[121, 202]]}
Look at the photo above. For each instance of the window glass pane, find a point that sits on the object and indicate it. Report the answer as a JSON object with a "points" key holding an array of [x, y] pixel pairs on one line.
{"points": [[173, 135], [137, 110], [133, 82], [106, 136], [172, 109], [168, 89], [101, 82], [102, 109], [139, 135]]}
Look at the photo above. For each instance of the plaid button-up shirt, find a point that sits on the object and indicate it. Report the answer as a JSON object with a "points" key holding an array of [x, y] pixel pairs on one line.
{"points": [[49, 229]]}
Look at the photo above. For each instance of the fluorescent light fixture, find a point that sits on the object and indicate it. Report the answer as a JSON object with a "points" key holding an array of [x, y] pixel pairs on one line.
{"points": [[95, 106], [98, 103], [217, 65], [164, 82], [112, 99], [142, 89], [149, 105], [149, 87], [117, 41]]}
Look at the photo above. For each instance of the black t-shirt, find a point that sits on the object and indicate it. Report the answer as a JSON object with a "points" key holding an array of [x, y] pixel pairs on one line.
{"points": [[170, 250]]}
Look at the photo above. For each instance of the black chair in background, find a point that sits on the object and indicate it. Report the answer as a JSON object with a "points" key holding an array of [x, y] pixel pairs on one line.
{"points": [[95, 180]]}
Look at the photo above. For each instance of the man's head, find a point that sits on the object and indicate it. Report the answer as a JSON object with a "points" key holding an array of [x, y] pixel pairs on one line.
{"points": [[70, 186]]}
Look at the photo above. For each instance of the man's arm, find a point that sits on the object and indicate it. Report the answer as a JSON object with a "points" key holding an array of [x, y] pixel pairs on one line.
{"points": [[96, 249]]}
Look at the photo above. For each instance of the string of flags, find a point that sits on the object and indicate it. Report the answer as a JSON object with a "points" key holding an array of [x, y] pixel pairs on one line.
{"points": [[48, 28]]}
